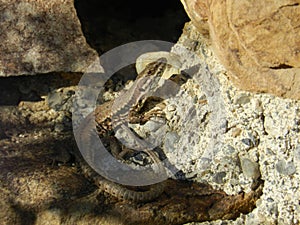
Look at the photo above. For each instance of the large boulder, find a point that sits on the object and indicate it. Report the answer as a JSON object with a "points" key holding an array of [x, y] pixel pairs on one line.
{"points": [[257, 41], [41, 36]]}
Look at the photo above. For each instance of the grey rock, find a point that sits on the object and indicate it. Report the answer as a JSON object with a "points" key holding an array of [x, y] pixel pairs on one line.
{"points": [[153, 126], [218, 177], [250, 168], [254, 137], [229, 150], [40, 37], [247, 141], [285, 168], [242, 99], [297, 153], [251, 141], [170, 140]]}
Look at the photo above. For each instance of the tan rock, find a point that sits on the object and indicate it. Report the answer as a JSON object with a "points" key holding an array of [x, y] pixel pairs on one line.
{"points": [[198, 12], [41, 36], [257, 41]]}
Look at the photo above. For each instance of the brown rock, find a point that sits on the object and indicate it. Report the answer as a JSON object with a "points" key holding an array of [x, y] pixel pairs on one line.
{"points": [[257, 41], [41, 36], [198, 12]]}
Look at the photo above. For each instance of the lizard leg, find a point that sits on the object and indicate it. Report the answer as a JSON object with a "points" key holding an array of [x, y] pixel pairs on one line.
{"points": [[157, 112], [151, 107]]}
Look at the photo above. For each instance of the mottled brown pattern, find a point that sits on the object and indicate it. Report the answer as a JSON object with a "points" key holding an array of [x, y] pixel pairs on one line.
{"points": [[103, 116]]}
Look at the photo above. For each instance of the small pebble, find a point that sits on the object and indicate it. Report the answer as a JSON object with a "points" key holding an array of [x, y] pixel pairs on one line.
{"points": [[250, 168], [247, 141], [285, 168], [218, 177], [236, 132], [153, 126], [229, 150], [297, 153], [242, 99], [171, 108], [170, 140]]}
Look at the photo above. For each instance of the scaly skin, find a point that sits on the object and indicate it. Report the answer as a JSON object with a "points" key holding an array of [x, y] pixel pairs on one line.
{"points": [[102, 119]]}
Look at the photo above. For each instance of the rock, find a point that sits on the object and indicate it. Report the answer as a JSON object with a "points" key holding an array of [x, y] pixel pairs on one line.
{"points": [[261, 131], [257, 41], [198, 12], [250, 168], [218, 177], [40, 37], [285, 168], [241, 99], [170, 141]]}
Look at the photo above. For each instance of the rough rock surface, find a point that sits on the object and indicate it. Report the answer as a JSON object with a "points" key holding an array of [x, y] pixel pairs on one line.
{"points": [[235, 142], [40, 183], [257, 41], [40, 37], [232, 138]]}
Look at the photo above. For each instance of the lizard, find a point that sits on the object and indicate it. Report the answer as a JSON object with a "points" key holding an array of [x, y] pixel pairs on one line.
{"points": [[124, 108]]}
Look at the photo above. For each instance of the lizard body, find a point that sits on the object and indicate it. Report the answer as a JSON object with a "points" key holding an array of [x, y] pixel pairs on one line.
{"points": [[116, 113]]}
